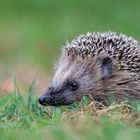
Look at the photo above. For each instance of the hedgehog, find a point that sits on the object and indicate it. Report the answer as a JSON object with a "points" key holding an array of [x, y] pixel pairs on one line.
{"points": [[103, 66]]}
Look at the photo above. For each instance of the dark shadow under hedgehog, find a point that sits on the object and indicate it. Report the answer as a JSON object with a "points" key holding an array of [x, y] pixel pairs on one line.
{"points": [[99, 65]]}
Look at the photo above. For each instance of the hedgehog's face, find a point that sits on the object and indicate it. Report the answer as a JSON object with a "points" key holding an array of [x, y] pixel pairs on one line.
{"points": [[74, 79]]}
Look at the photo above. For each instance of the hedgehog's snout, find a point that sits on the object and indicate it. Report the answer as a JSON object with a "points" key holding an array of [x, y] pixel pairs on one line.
{"points": [[56, 97], [42, 100], [46, 98]]}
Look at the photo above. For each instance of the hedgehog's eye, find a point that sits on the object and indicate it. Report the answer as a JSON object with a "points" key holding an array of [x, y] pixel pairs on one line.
{"points": [[74, 85]]}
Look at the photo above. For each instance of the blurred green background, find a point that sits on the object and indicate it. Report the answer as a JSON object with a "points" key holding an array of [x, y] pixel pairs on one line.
{"points": [[33, 31]]}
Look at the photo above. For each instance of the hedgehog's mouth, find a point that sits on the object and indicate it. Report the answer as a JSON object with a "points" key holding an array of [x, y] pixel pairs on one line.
{"points": [[61, 102], [53, 101]]}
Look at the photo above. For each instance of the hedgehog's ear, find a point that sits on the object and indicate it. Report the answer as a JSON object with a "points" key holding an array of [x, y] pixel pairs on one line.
{"points": [[106, 67]]}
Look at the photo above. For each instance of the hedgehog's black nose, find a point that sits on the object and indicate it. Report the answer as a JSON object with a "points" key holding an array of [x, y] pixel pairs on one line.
{"points": [[42, 100]]}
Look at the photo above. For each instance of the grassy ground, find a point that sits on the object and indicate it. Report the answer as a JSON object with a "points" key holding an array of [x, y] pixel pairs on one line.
{"points": [[23, 118], [31, 33]]}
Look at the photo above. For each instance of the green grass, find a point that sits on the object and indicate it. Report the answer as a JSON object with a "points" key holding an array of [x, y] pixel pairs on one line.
{"points": [[23, 118]]}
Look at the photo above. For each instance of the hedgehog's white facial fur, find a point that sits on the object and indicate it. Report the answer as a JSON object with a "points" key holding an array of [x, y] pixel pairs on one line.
{"points": [[82, 73]]}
